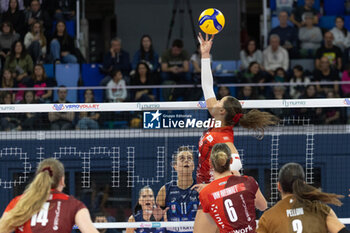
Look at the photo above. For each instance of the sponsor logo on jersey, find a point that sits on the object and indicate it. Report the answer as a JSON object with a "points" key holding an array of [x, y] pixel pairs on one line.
{"points": [[228, 191], [57, 217], [173, 208]]}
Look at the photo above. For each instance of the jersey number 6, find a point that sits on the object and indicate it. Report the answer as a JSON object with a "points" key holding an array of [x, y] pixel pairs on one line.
{"points": [[230, 210]]}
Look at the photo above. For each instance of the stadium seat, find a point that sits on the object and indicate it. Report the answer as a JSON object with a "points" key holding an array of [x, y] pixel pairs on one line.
{"points": [[316, 4], [334, 7], [70, 25], [224, 71], [273, 5], [307, 64], [347, 22], [49, 70], [91, 76], [327, 22], [67, 75]]}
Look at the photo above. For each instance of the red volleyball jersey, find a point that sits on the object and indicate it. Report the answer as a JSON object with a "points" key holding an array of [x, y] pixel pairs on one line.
{"points": [[230, 201], [56, 215], [206, 143]]}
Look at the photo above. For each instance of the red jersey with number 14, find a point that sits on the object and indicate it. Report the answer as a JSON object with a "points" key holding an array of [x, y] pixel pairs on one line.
{"points": [[56, 215], [206, 143], [230, 201]]}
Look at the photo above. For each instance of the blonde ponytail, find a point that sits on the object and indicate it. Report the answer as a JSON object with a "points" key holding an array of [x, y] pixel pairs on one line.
{"points": [[48, 175], [220, 157]]}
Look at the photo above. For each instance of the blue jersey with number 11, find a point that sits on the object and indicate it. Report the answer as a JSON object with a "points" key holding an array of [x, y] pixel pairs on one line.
{"points": [[183, 205]]}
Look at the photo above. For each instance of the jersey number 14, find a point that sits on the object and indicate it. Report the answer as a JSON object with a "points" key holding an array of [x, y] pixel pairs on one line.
{"points": [[41, 217]]}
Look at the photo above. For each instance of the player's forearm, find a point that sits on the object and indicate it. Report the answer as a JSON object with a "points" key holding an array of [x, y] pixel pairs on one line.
{"points": [[207, 79]]}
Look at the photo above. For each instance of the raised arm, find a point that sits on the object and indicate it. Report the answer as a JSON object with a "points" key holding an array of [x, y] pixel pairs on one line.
{"points": [[131, 230], [206, 74], [160, 200]]}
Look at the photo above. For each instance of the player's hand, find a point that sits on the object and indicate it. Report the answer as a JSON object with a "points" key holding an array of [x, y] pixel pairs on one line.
{"points": [[158, 213], [198, 187], [205, 44]]}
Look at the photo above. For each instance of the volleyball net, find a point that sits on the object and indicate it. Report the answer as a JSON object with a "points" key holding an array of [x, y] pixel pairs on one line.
{"points": [[113, 150]]}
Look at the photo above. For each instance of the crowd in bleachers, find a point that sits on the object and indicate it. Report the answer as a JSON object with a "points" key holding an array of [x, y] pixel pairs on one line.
{"points": [[31, 55]]}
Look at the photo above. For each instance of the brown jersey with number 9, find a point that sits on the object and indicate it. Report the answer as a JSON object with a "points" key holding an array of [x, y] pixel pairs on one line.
{"points": [[56, 215]]}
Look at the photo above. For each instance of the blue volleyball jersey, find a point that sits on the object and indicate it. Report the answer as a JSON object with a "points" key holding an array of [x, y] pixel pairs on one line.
{"points": [[183, 205], [139, 218]]}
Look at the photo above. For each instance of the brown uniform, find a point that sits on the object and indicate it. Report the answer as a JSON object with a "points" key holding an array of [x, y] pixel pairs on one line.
{"points": [[56, 215], [288, 217]]}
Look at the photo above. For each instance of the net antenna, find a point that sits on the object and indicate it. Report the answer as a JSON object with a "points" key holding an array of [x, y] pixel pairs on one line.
{"points": [[179, 6]]}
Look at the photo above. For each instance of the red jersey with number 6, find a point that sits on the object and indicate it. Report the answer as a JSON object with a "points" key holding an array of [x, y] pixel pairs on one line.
{"points": [[56, 215], [206, 143], [230, 201]]}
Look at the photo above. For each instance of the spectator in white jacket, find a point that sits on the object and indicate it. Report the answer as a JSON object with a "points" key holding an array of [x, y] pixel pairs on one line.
{"points": [[275, 56], [341, 34], [116, 90], [35, 42]]}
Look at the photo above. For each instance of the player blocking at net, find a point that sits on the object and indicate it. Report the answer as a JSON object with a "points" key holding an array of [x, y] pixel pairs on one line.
{"points": [[44, 208], [229, 111], [228, 203]]}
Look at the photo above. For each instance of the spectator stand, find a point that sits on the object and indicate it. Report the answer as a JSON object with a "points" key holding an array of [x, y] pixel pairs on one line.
{"points": [[68, 75], [225, 71]]}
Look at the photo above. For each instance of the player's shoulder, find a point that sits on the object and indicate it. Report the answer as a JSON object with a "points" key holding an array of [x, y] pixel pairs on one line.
{"points": [[277, 209], [13, 203]]}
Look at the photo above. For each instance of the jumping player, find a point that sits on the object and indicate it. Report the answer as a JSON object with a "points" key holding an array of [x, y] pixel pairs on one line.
{"points": [[44, 208], [228, 203], [302, 207], [178, 196], [229, 111]]}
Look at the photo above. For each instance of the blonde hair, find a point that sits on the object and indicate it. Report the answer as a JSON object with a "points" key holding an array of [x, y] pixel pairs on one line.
{"points": [[48, 175], [220, 157]]}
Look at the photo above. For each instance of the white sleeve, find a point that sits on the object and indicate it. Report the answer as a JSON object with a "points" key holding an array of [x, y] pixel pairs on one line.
{"points": [[207, 79], [236, 164]]}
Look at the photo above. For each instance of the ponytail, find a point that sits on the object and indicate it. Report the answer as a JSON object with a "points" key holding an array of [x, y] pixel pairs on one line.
{"points": [[305, 194], [254, 119], [48, 175], [220, 157]]}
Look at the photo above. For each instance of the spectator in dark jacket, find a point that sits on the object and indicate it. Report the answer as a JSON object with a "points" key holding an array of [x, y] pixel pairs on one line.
{"points": [[62, 47], [64, 9], [16, 17], [37, 14]]}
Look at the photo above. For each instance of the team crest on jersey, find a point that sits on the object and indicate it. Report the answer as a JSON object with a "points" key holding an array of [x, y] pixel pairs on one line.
{"points": [[210, 138]]}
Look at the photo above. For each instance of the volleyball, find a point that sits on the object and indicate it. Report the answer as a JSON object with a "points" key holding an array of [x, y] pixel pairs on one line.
{"points": [[211, 21]]}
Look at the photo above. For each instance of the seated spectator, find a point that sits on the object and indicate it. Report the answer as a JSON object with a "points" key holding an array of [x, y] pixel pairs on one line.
{"points": [[147, 54], [326, 74], [279, 93], [254, 75], [298, 14], [35, 42], [88, 120], [346, 77], [280, 75], [115, 59], [16, 17], [175, 69], [40, 80], [4, 5], [175, 193], [341, 34], [64, 9], [8, 121], [288, 35], [332, 115], [332, 52], [20, 64], [299, 81], [275, 56], [315, 115], [29, 120], [7, 38], [116, 91], [61, 120], [284, 5], [247, 93], [36, 14], [62, 48], [222, 92], [251, 53], [145, 211], [310, 37], [142, 77], [104, 218], [8, 82]]}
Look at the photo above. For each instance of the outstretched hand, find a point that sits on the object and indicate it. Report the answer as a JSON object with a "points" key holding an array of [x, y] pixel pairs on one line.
{"points": [[205, 44], [158, 213]]}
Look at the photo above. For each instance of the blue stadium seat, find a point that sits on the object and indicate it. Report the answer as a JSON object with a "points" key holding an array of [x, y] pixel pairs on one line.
{"points": [[70, 25], [327, 22], [347, 22], [224, 71], [49, 70], [333, 7], [91, 76], [316, 4], [67, 75], [273, 5]]}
